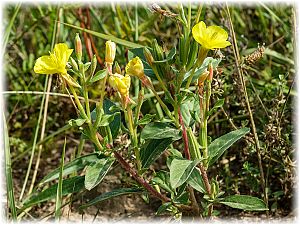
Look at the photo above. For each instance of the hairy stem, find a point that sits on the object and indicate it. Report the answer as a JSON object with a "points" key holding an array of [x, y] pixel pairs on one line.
{"points": [[139, 179]]}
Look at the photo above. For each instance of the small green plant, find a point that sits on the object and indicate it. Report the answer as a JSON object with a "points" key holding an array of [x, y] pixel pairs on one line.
{"points": [[182, 131]]}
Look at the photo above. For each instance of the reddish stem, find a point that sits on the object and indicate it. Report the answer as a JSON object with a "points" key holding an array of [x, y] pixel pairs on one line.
{"points": [[140, 180], [205, 178], [184, 136]]}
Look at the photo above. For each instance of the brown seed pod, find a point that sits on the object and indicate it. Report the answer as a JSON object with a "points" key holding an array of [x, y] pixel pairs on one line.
{"points": [[156, 8], [255, 56]]}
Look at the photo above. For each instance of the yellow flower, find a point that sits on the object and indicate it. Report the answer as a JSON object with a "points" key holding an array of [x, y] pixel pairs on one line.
{"points": [[56, 62], [110, 52], [135, 67], [120, 83], [210, 37]]}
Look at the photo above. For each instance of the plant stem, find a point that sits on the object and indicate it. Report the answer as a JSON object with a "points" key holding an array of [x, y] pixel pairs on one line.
{"points": [[201, 56], [162, 85], [253, 127], [139, 179], [164, 107], [78, 103], [133, 136], [184, 136], [139, 105]]}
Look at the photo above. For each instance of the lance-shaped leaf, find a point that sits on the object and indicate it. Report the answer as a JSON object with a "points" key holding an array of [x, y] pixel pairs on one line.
{"points": [[244, 202], [96, 172], [74, 166], [71, 185], [160, 130], [112, 194], [181, 170], [221, 144], [152, 149]]}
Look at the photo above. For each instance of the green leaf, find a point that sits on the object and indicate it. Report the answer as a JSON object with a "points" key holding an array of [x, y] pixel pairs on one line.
{"points": [[196, 181], [71, 185], [78, 122], [170, 56], [201, 69], [218, 104], [162, 179], [98, 76], [221, 144], [160, 130], [152, 149], [185, 108], [76, 165], [106, 119], [146, 119], [180, 171], [96, 172], [116, 123], [112, 194], [244, 202], [106, 37], [164, 207]]}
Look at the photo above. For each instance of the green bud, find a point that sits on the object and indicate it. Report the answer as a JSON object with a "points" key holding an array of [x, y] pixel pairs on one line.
{"points": [[93, 65], [117, 68], [193, 145], [74, 64], [158, 52], [148, 56]]}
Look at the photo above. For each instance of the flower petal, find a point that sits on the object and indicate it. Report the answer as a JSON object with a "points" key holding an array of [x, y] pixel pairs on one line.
{"points": [[45, 65], [220, 44], [218, 33], [199, 32]]}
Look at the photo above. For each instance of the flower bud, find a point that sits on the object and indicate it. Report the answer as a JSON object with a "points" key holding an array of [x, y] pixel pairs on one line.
{"points": [[110, 52], [135, 67], [74, 64], [120, 83], [78, 47], [117, 68], [148, 56], [93, 65]]}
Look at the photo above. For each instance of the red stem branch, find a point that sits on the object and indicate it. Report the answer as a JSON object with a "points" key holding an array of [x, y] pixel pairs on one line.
{"points": [[140, 180], [184, 136]]}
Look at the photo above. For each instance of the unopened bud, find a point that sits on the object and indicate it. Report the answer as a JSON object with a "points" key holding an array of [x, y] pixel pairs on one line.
{"points": [[148, 56], [74, 64], [110, 52], [78, 47], [135, 67], [117, 68], [93, 65]]}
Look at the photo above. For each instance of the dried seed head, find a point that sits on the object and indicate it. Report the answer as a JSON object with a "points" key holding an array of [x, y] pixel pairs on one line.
{"points": [[255, 56], [156, 8]]}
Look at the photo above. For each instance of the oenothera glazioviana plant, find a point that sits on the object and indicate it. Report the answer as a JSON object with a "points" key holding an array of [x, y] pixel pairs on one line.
{"points": [[180, 129]]}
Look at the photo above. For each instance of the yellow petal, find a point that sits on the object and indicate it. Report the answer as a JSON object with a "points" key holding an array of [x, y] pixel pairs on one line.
{"points": [[199, 32], [217, 33], [126, 81], [220, 44], [45, 65], [62, 53]]}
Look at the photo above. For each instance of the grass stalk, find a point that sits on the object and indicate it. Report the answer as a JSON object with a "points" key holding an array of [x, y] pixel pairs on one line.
{"points": [[8, 174], [253, 127], [58, 201]]}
